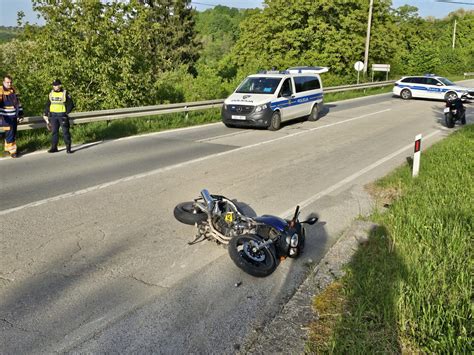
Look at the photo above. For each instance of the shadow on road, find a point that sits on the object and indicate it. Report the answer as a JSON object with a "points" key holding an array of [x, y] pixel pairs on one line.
{"points": [[41, 310]]}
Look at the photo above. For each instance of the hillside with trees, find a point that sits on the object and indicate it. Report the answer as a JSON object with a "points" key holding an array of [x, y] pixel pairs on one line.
{"points": [[112, 54]]}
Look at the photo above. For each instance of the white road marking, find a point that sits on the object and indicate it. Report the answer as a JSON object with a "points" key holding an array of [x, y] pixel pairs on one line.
{"points": [[221, 136], [176, 166], [307, 202]]}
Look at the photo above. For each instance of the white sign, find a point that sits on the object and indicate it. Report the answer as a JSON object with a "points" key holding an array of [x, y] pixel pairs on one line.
{"points": [[359, 66], [381, 67]]}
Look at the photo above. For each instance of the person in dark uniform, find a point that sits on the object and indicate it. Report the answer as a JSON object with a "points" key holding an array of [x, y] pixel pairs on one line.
{"points": [[56, 112], [11, 113]]}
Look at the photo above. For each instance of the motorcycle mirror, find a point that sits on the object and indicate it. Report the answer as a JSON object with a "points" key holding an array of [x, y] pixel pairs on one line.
{"points": [[311, 219]]}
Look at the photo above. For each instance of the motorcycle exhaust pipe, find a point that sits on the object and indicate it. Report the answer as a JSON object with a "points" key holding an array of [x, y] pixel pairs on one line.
{"points": [[209, 200]]}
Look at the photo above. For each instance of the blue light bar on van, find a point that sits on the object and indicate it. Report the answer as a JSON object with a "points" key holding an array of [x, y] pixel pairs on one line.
{"points": [[309, 70], [272, 72]]}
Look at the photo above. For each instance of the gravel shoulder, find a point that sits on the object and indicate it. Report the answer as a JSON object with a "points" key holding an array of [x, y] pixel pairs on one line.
{"points": [[287, 333]]}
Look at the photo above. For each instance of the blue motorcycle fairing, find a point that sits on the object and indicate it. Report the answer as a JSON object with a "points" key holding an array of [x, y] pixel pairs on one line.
{"points": [[276, 222]]}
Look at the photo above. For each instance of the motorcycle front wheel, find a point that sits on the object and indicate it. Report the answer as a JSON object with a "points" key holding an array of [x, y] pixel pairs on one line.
{"points": [[449, 119], [256, 262], [187, 214]]}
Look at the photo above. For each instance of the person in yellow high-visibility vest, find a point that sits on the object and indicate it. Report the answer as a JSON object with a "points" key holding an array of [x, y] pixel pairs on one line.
{"points": [[56, 113], [11, 113]]}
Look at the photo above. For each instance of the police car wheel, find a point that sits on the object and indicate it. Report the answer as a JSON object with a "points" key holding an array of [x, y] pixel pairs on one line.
{"points": [[275, 123], [450, 96], [314, 115], [406, 94]]}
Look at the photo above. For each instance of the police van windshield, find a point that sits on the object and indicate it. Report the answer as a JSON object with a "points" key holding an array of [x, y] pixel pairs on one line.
{"points": [[446, 81], [259, 85]]}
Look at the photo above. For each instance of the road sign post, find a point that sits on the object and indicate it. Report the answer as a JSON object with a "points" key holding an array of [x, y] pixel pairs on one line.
{"points": [[359, 66], [381, 67]]}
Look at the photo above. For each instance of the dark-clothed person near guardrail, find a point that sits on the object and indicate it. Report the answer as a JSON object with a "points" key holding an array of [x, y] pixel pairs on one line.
{"points": [[56, 113], [10, 113]]}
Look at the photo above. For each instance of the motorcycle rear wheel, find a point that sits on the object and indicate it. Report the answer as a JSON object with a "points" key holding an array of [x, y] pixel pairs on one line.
{"points": [[186, 213], [449, 120], [258, 263]]}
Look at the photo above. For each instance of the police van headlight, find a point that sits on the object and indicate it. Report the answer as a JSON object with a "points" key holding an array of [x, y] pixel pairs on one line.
{"points": [[260, 108]]}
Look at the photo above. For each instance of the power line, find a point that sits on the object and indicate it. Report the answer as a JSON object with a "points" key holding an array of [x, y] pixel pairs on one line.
{"points": [[214, 5], [456, 2]]}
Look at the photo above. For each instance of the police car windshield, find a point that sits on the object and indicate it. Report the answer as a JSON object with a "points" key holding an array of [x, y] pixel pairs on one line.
{"points": [[446, 81], [259, 85]]}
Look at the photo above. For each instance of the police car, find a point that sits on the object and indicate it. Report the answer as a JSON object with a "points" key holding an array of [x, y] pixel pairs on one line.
{"points": [[270, 97], [430, 87]]}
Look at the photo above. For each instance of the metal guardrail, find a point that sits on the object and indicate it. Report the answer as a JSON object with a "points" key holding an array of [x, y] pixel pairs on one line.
{"points": [[467, 74], [121, 113]]}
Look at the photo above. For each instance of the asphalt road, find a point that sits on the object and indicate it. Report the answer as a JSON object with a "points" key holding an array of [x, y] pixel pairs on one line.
{"points": [[92, 259]]}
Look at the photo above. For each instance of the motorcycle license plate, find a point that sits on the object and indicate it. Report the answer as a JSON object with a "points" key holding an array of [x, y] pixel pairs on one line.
{"points": [[446, 110], [235, 117], [229, 217]]}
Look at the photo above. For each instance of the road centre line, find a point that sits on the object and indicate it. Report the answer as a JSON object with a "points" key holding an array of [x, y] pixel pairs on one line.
{"points": [[314, 198], [176, 166], [145, 135]]}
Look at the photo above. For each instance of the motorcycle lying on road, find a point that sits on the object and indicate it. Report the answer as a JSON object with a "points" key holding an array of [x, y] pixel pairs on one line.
{"points": [[255, 244], [454, 111]]}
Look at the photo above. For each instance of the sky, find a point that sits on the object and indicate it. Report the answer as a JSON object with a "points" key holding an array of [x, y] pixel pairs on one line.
{"points": [[9, 8]]}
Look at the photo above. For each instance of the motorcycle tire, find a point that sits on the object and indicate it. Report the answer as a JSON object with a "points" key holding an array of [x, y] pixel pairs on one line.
{"points": [[185, 213], [259, 264], [449, 120]]}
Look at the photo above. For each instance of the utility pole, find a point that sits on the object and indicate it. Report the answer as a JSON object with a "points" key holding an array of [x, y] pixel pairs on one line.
{"points": [[367, 41], [454, 33]]}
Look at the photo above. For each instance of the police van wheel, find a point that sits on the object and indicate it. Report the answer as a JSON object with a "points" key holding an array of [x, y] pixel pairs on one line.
{"points": [[314, 115], [275, 123], [406, 94]]}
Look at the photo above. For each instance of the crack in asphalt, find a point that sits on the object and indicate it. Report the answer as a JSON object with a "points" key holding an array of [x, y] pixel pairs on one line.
{"points": [[12, 325]]}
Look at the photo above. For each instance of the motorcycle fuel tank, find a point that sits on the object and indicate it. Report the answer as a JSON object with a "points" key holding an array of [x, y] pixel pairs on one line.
{"points": [[276, 222]]}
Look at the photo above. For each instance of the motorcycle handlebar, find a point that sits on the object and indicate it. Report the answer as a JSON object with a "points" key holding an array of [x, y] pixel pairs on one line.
{"points": [[296, 213]]}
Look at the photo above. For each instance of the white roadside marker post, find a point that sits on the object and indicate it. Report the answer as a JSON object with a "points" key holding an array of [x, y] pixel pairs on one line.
{"points": [[416, 156]]}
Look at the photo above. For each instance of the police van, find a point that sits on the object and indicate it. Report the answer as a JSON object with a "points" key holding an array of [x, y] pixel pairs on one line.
{"points": [[270, 97]]}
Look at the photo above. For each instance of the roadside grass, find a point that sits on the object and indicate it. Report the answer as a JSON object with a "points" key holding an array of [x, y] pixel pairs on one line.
{"points": [[409, 289], [31, 140], [346, 95]]}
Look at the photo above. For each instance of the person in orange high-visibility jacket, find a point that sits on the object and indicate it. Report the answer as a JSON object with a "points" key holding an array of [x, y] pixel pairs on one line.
{"points": [[11, 113], [56, 113]]}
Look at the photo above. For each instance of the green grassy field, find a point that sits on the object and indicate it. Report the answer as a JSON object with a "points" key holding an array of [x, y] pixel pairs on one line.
{"points": [[409, 289], [6, 35]]}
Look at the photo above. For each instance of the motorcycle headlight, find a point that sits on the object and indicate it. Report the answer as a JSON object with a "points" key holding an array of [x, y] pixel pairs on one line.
{"points": [[294, 240], [260, 108]]}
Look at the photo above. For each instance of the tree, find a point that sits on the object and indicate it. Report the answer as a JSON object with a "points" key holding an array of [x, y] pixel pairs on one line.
{"points": [[110, 54], [321, 32]]}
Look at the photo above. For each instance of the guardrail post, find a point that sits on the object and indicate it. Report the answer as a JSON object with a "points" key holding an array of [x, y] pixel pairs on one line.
{"points": [[186, 113]]}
